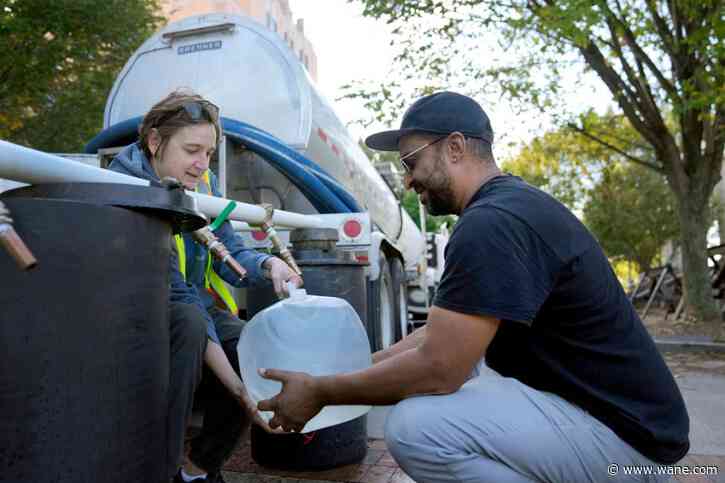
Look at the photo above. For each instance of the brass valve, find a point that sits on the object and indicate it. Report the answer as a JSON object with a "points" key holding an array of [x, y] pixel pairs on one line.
{"points": [[207, 238], [12, 243], [268, 227]]}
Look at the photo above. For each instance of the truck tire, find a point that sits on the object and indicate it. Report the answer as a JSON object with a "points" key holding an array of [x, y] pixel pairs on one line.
{"points": [[400, 298], [381, 308]]}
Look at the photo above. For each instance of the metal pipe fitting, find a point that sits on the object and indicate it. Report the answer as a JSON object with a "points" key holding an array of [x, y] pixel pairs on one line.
{"points": [[12, 243], [207, 238], [268, 226]]}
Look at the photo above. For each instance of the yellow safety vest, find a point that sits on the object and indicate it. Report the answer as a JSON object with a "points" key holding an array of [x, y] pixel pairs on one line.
{"points": [[212, 282]]}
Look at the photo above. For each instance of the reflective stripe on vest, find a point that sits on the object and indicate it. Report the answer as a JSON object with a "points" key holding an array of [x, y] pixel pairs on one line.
{"points": [[181, 252], [212, 281]]}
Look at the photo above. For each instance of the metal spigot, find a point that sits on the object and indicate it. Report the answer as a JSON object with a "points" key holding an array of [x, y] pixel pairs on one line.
{"points": [[268, 227], [12, 243], [207, 238]]}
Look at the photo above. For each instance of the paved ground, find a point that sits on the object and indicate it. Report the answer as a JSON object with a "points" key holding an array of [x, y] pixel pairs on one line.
{"points": [[700, 376]]}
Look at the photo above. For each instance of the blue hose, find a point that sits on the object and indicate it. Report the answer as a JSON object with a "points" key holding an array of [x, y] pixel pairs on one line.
{"points": [[323, 192], [279, 155], [120, 134]]}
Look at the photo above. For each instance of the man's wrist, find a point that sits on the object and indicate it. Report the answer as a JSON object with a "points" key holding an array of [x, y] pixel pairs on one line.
{"points": [[380, 356], [322, 385]]}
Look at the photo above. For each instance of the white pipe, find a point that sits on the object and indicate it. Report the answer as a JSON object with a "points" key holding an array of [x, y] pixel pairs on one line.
{"points": [[240, 226], [27, 165], [253, 214]]}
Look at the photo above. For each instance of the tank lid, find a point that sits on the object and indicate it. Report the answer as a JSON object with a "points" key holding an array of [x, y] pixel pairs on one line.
{"points": [[171, 204]]}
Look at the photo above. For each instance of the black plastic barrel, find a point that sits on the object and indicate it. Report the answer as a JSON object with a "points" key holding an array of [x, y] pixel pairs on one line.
{"points": [[84, 366], [330, 272]]}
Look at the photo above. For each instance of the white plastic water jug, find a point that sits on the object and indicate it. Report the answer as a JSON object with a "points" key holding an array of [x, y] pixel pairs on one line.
{"points": [[304, 333]]}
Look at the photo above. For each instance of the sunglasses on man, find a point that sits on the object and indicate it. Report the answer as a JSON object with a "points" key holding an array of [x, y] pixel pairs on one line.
{"points": [[409, 168]]}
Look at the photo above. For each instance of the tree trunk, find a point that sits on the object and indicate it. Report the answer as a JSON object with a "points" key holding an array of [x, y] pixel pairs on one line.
{"points": [[721, 218], [694, 223]]}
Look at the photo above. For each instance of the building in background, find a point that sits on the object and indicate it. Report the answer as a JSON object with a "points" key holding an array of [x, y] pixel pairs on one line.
{"points": [[273, 14]]}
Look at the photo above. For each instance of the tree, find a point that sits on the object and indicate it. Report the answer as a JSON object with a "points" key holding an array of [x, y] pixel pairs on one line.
{"points": [[58, 63], [632, 213], [657, 59], [628, 207]]}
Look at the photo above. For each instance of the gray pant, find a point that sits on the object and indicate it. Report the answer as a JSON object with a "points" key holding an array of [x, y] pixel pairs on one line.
{"points": [[496, 429], [187, 330]]}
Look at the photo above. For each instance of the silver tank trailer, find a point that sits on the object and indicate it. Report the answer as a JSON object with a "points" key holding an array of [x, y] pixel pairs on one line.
{"points": [[255, 78]]}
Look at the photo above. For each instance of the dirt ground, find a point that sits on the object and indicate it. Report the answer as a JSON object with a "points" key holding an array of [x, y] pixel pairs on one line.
{"points": [[659, 323], [663, 325], [707, 362]]}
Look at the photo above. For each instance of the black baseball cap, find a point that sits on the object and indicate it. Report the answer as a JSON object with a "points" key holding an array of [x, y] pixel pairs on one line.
{"points": [[440, 113]]}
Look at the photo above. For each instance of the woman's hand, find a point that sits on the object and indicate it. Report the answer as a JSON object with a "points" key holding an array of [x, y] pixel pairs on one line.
{"points": [[251, 409], [217, 361], [280, 273]]}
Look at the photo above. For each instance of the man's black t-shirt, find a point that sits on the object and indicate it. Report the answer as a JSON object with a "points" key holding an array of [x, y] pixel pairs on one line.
{"points": [[567, 326]]}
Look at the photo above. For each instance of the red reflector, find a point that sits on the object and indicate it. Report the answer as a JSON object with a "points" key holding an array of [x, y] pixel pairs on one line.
{"points": [[322, 134], [352, 228], [259, 235]]}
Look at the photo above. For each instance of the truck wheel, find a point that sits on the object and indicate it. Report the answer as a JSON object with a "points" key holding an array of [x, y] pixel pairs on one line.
{"points": [[381, 309], [400, 298]]}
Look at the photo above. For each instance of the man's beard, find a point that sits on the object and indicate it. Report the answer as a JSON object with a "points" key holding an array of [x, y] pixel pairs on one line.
{"points": [[440, 199]]}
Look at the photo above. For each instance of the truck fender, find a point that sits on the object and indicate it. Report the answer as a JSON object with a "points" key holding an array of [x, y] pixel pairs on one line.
{"points": [[377, 239]]}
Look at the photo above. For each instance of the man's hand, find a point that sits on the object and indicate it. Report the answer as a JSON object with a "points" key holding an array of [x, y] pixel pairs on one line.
{"points": [[299, 401], [280, 273]]}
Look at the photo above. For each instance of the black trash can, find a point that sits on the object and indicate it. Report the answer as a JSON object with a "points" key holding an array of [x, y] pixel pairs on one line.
{"points": [[84, 368], [330, 272]]}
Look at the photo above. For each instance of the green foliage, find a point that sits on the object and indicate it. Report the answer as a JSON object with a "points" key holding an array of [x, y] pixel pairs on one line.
{"points": [[58, 63], [627, 43], [632, 213], [627, 206], [569, 161], [662, 63]]}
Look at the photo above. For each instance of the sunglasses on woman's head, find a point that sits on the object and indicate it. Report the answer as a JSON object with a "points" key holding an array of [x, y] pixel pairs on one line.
{"points": [[196, 110]]}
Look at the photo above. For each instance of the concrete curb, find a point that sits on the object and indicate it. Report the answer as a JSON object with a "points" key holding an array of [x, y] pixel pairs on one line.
{"points": [[676, 344]]}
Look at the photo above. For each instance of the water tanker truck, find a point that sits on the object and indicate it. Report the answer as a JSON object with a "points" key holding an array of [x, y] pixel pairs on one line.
{"points": [[283, 145]]}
